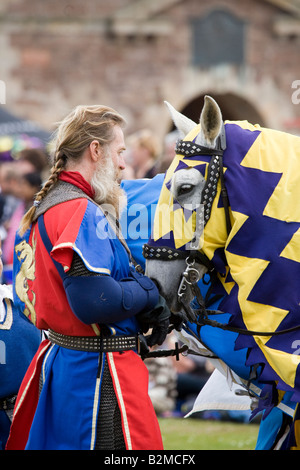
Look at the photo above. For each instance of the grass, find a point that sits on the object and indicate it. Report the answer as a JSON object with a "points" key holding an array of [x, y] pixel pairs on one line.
{"points": [[197, 434]]}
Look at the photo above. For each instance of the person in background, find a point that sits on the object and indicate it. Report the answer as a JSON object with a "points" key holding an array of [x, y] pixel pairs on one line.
{"points": [[162, 385], [144, 151], [192, 374], [168, 153], [9, 201], [34, 161], [24, 186]]}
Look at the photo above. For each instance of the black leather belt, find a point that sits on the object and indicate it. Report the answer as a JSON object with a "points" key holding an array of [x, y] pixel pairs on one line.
{"points": [[95, 343]]}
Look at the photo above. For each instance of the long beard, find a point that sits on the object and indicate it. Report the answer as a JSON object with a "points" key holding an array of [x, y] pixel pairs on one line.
{"points": [[105, 183]]}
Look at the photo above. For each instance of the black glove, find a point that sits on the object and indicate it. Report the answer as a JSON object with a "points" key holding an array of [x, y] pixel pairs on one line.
{"points": [[178, 320], [158, 319], [158, 334]]}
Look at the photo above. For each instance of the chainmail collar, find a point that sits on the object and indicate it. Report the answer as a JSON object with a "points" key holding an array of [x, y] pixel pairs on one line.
{"points": [[59, 193]]}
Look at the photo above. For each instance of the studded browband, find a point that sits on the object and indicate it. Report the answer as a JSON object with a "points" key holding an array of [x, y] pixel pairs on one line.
{"points": [[191, 149]]}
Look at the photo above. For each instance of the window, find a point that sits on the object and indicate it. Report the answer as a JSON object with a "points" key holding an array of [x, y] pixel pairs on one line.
{"points": [[218, 38]]}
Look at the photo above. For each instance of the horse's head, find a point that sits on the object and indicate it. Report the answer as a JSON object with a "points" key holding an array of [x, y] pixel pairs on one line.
{"points": [[181, 225]]}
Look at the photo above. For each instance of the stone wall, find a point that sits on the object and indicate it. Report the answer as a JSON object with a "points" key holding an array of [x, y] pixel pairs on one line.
{"points": [[56, 54]]}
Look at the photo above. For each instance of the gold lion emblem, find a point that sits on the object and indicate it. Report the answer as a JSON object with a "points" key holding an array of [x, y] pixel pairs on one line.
{"points": [[26, 255]]}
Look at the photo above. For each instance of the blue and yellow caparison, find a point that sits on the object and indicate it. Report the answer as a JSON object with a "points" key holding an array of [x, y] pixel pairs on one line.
{"points": [[258, 262]]}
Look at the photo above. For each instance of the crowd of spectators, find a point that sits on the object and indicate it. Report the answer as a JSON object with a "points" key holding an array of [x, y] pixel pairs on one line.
{"points": [[21, 178]]}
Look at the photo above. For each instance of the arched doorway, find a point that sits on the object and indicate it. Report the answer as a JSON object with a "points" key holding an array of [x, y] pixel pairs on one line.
{"points": [[233, 108]]}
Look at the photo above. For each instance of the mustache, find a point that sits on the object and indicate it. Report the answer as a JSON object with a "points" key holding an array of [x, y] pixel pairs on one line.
{"points": [[119, 176], [106, 184]]}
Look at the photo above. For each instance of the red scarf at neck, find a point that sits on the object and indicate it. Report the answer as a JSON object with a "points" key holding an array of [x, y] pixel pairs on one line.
{"points": [[74, 177]]}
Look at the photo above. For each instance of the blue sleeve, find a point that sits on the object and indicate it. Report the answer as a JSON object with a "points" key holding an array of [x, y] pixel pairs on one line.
{"points": [[102, 299], [94, 241], [137, 219]]}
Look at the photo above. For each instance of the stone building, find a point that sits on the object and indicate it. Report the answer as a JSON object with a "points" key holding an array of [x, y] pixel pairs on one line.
{"points": [[134, 54]]}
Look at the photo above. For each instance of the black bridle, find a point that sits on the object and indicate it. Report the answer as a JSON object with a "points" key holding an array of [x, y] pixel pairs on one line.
{"points": [[191, 275], [214, 172]]}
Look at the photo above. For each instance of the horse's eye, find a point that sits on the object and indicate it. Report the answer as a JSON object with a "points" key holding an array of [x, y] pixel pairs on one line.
{"points": [[185, 189]]}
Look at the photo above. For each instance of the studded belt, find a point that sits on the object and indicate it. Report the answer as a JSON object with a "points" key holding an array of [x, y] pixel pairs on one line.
{"points": [[95, 343]]}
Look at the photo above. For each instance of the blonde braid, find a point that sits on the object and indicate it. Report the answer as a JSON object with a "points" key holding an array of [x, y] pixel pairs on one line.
{"points": [[55, 171]]}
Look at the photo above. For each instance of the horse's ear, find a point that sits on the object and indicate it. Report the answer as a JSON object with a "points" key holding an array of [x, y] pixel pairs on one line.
{"points": [[211, 123], [184, 124]]}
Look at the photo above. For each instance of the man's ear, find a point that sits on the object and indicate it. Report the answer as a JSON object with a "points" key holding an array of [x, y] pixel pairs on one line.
{"points": [[96, 150]]}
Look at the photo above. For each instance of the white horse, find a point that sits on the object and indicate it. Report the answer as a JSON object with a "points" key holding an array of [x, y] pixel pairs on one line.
{"points": [[228, 205]]}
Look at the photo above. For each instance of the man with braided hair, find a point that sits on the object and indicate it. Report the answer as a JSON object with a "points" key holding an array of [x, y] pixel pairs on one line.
{"points": [[87, 387]]}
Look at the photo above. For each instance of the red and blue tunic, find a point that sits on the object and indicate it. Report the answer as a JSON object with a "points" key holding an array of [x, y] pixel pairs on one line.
{"points": [[64, 412]]}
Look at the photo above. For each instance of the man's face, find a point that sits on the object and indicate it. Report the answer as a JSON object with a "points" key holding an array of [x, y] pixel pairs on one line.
{"points": [[107, 176], [116, 149]]}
